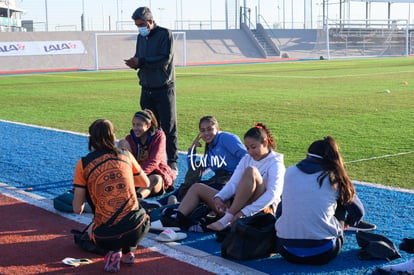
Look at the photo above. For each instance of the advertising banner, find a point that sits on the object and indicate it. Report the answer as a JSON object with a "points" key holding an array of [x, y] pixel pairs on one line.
{"points": [[41, 48]]}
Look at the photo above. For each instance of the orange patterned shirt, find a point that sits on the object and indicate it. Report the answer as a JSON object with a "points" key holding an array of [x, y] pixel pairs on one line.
{"points": [[110, 181]]}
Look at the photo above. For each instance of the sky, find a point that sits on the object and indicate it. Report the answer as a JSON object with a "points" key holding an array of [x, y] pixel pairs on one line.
{"points": [[197, 14]]}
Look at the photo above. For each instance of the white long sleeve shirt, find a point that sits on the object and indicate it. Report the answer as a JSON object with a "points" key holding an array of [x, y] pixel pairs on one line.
{"points": [[272, 170]]}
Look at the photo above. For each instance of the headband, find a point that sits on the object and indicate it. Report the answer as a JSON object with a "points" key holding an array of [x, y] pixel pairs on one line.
{"points": [[315, 156], [144, 115]]}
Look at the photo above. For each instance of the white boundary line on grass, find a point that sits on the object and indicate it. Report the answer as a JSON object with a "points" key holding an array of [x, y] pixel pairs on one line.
{"points": [[174, 250], [352, 161], [82, 134], [292, 76], [380, 157]]}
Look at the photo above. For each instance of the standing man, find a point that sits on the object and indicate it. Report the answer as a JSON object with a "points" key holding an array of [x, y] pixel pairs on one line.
{"points": [[154, 60]]}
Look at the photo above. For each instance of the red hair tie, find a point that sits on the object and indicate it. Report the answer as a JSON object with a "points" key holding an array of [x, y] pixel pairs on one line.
{"points": [[258, 126]]}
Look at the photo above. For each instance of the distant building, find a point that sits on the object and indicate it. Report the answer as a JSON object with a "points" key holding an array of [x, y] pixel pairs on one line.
{"points": [[10, 17]]}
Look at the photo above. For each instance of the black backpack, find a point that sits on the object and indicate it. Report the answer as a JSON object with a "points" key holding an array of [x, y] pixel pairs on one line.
{"points": [[250, 238]]}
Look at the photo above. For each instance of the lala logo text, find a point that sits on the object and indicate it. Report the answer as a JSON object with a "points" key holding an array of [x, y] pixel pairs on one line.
{"points": [[11, 48], [59, 47]]}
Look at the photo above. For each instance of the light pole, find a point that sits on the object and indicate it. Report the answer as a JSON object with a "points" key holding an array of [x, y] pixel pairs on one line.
{"points": [[117, 14], [160, 9], [83, 16], [8, 12], [47, 19], [211, 15]]}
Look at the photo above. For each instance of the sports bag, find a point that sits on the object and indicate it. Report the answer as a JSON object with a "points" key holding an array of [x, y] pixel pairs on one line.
{"points": [[82, 240], [376, 246], [63, 202], [250, 238]]}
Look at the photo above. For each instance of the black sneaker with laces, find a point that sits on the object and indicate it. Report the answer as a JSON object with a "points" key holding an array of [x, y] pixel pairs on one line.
{"points": [[362, 226]]}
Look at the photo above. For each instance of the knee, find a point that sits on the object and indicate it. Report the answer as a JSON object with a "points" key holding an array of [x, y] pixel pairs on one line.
{"points": [[123, 144], [196, 188], [251, 172], [155, 181]]}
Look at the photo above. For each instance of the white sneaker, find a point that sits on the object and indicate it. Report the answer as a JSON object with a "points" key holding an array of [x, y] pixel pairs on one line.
{"points": [[407, 266]]}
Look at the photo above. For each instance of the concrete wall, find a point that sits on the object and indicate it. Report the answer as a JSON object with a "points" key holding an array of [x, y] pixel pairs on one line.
{"points": [[202, 46]]}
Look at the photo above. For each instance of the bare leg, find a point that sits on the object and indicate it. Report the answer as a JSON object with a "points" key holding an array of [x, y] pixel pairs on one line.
{"points": [[156, 185], [197, 192], [250, 188]]}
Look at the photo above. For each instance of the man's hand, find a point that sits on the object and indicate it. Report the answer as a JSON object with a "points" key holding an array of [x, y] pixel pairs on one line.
{"points": [[133, 62]]}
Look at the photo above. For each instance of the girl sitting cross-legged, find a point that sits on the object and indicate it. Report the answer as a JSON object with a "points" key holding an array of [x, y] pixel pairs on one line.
{"points": [[256, 184]]}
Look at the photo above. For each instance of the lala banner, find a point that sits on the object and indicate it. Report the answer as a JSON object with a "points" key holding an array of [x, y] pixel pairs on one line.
{"points": [[41, 48]]}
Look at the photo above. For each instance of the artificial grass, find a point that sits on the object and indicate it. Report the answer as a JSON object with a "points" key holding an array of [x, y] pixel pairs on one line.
{"points": [[299, 101]]}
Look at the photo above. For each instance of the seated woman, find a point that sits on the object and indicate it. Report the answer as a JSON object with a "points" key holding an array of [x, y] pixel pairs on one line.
{"points": [[256, 184], [223, 151], [317, 195], [148, 144], [109, 176]]}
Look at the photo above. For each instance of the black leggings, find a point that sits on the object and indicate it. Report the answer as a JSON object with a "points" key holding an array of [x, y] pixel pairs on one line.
{"points": [[127, 241], [319, 259]]}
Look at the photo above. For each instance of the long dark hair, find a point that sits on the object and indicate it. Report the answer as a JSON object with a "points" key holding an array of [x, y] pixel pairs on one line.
{"points": [[262, 134], [327, 152], [213, 122], [102, 136]]}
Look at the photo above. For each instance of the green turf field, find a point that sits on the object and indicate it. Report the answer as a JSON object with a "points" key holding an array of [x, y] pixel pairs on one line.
{"points": [[299, 101]]}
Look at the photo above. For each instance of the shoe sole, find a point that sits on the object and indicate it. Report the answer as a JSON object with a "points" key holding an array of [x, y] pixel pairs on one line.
{"points": [[354, 229], [113, 263]]}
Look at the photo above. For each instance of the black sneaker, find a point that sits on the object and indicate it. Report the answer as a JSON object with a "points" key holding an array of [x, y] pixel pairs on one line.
{"points": [[362, 226]]}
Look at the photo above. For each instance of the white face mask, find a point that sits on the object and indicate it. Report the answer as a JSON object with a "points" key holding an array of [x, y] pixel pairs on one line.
{"points": [[143, 31]]}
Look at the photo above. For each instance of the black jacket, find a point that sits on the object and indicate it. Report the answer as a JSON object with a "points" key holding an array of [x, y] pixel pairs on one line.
{"points": [[156, 59]]}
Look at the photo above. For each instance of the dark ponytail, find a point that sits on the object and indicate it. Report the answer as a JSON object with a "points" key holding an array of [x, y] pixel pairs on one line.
{"points": [[262, 134]]}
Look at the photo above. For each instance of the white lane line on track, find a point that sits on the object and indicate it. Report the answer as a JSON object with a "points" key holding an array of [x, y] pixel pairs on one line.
{"points": [[376, 185], [42, 127], [174, 250], [53, 129]]}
